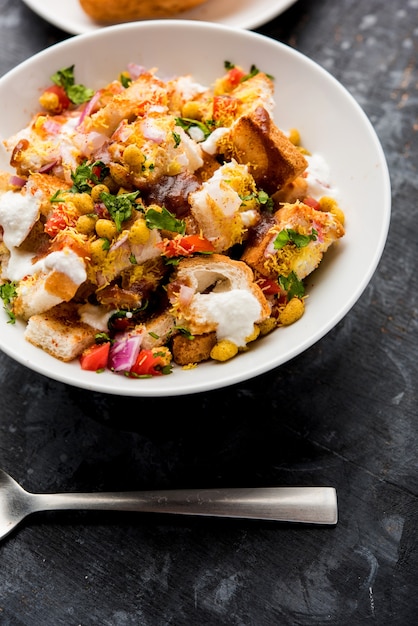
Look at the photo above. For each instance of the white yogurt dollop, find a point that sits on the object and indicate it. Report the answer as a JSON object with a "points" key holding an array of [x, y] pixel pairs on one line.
{"points": [[235, 313]]}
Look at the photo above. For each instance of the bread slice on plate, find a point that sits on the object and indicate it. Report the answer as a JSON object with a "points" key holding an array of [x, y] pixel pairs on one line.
{"points": [[60, 332]]}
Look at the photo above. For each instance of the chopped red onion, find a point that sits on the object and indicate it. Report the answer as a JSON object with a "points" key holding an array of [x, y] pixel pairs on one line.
{"points": [[123, 352], [136, 70], [17, 181], [47, 167], [88, 109]]}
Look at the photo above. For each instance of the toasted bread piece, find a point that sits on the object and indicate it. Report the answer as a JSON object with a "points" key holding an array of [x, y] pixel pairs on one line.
{"points": [[217, 294], [192, 350], [109, 11], [60, 332], [60, 275], [217, 206], [158, 330], [270, 155], [261, 255], [291, 192]]}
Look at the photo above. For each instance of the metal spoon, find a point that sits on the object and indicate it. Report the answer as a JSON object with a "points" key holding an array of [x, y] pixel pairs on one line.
{"points": [[311, 505]]}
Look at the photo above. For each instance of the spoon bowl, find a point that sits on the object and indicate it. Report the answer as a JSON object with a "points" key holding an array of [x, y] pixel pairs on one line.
{"points": [[310, 505]]}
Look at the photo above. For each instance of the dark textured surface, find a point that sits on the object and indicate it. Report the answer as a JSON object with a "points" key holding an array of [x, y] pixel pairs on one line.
{"points": [[344, 413]]}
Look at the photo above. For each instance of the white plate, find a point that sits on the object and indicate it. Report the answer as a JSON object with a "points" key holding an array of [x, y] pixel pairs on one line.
{"points": [[70, 17], [331, 123]]}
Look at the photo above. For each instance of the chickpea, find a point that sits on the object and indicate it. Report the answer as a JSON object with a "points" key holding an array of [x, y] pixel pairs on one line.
{"points": [[98, 254], [224, 350], [266, 326], [50, 101], [120, 174], [254, 335], [83, 203], [106, 229], [133, 157], [139, 232], [97, 190], [85, 224], [293, 311], [294, 136], [330, 205], [191, 110]]}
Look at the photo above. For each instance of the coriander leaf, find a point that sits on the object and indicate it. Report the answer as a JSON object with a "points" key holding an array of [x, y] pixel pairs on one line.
{"points": [[177, 139], [292, 285], [185, 331], [253, 72], [102, 338], [119, 207], [288, 235], [57, 197], [186, 123], [77, 93], [164, 220], [265, 200], [87, 175], [125, 80], [262, 198], [7, 294]]}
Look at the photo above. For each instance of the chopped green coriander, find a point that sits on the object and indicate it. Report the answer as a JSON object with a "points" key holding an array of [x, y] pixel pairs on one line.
{"points": [[288, 235], [7, 294], [77, 93], [164, 220], [187, 123], [57, 197], [120, 206], [87, 175], [292, 285]]}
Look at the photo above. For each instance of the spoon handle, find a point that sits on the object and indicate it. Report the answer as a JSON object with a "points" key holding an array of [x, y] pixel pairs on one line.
{"points": [[311, 505]]}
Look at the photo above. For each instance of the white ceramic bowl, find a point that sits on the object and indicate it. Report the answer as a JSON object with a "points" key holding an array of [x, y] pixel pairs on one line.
{"points": [[308, 98]]}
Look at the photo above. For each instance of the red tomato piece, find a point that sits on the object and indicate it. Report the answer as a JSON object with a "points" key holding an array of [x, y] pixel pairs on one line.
{"points": [[146, 364], [268, 286], [95, 358], [63, 101], [97, 171], [235, 75], [224, 108], [186, 246], [55, 222], [197, 243]]}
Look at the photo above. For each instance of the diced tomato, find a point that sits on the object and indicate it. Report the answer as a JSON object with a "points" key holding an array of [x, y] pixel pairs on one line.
{"points": [[224, 108], [186, 246], [95, 358], [268, 286], [97, 170], [314, 204], [55, 222], [197, 243], [147, 364], [235, 74], [62, 100]]}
